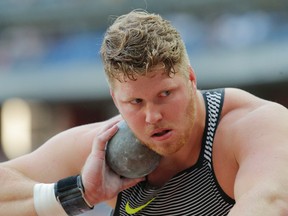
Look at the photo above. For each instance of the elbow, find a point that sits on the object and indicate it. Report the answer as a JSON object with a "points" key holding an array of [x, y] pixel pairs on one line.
{"points": [[278, 202]]}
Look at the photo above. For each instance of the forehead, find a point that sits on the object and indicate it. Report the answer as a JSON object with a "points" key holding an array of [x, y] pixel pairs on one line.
{"points": [[146, 85]]}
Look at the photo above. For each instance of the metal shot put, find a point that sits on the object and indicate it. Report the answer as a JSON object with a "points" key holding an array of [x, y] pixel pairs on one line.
{"points": [[127, 156]]}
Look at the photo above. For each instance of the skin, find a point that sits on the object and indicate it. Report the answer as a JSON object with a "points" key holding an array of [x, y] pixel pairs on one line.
{"points": [[250, 152], [150, 112]]}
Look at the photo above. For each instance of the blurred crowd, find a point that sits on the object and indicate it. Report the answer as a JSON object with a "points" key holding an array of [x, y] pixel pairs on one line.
{"points": [[24, 45]]}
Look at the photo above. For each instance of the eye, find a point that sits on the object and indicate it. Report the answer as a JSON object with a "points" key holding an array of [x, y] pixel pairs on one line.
{"points": [[165, 93], [136, 101]]}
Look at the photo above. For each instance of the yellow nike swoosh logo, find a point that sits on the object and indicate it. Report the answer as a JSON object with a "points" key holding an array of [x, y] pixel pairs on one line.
{"points": [[130, 210]]}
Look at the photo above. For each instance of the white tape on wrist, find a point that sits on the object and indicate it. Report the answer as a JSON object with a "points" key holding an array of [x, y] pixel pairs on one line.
{"points": [[45, 202]]}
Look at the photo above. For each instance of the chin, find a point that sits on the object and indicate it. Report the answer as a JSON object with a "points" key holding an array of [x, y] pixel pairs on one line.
{"points": [[168, 150]]}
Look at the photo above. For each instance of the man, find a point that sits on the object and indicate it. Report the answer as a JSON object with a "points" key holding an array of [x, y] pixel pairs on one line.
{"points": [[224, 151]]}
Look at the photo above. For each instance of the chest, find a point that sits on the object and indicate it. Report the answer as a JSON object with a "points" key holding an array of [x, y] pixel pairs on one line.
{"points": [[187, 193]]}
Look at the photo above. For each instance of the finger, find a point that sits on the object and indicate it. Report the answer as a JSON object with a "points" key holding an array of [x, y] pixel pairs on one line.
{"points": [[99, 142], [108, 124], [116, 118]]}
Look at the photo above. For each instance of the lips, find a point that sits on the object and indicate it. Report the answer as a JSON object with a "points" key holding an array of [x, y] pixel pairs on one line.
{"points": [[160, 133]]}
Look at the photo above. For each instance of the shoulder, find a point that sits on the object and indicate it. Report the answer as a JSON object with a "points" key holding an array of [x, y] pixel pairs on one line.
{"points": [[240, 104], [250, 133], [253, 133], [240, 100], [248, 120]]}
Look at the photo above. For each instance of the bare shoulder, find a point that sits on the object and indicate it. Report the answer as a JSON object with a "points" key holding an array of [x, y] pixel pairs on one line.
{"points": [[240, 105], [250, 124], [255, 133], [252, 134]]}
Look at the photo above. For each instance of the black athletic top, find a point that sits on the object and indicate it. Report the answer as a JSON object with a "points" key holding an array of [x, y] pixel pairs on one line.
{"points": [[194, 191]]}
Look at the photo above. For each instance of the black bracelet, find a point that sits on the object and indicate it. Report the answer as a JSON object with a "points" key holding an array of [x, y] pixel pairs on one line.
{"points": [[70, 194]]}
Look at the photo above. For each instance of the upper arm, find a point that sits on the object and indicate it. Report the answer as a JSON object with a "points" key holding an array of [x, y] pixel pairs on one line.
{"points": [[262, 153], [61, 156]]}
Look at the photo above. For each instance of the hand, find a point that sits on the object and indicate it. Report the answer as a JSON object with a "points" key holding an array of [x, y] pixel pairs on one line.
{"points": [[99, 181]]}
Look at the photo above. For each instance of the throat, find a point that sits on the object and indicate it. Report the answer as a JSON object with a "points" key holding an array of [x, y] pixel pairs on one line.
{"points": [[170, 166], [160, 177]]}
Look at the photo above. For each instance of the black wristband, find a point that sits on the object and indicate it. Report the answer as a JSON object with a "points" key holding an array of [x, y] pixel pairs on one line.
{"points": [[70, 194]]}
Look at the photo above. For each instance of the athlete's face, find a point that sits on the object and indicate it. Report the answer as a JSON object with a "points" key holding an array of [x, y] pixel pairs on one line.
{"points": [[160, 110]]}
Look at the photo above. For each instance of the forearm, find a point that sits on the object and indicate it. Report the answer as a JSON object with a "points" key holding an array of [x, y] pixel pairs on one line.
{"points": [[16, 194], [17, 208], [25, 197]]}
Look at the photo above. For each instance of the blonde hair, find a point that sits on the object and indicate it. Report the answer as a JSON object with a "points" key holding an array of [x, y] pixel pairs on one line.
{"points": [[137, 42]]}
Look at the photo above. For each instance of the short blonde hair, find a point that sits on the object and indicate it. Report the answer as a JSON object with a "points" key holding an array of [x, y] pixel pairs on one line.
{"points": [[137, 42]]}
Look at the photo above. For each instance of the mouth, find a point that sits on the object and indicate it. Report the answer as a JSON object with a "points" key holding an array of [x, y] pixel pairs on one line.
{"points": [[160, 133]]}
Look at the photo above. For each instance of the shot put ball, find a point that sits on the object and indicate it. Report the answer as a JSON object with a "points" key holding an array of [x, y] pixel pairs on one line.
{"points": [[127, 157]]}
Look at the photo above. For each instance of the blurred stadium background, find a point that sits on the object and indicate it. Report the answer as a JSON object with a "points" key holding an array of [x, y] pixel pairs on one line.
{"points": [[51, 77]]}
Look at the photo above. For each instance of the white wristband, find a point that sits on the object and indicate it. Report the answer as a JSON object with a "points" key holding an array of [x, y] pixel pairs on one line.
{"points": [[45, 202]]}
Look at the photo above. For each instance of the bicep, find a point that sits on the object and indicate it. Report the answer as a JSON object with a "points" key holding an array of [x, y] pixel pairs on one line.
{"points": [[263, 169], [263, 155]]}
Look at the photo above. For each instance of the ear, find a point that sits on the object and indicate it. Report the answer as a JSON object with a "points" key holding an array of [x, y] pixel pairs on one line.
{"points": [[192, 76]]}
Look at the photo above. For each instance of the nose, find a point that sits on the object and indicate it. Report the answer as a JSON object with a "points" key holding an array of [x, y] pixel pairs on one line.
{"points": [[153, 114]]}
